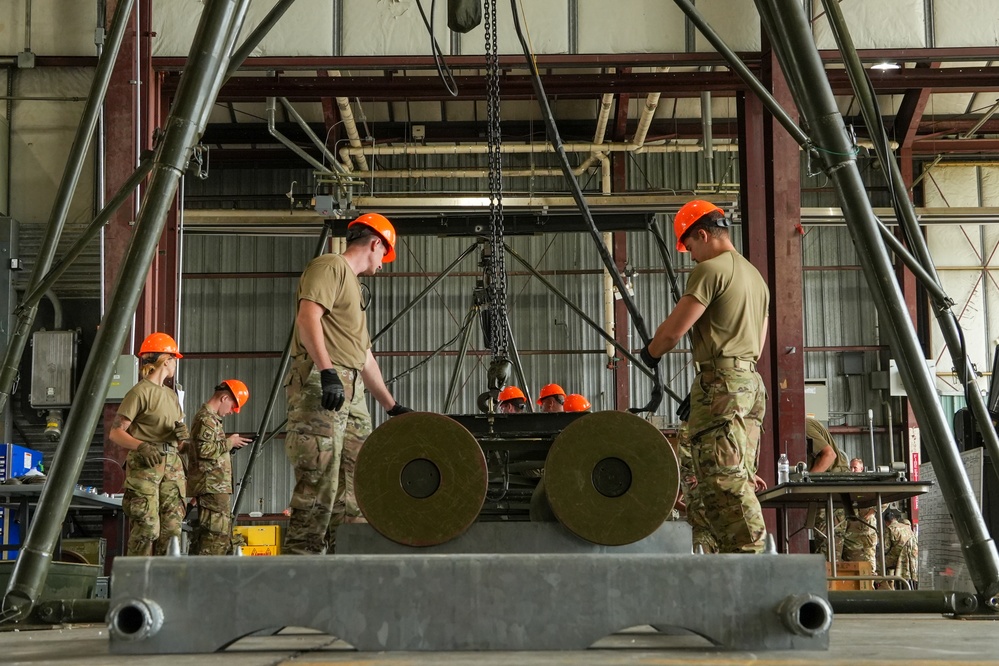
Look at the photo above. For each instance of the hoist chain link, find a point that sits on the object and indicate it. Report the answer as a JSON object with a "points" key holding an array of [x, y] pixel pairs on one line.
{"points": [[496, 268]]}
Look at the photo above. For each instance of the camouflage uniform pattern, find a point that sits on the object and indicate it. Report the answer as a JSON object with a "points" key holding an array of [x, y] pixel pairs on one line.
{"points": [[696, 514], [839, 527], [210, 481], [860, 543], [153, 501], [315, 447], [901, 551], [726, 420]]}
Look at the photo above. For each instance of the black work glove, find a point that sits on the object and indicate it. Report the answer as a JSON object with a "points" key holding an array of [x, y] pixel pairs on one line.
{"points": [[150, 454], [398, 409], [683, 411], [180, 432], [333, 395], [647, 358]]}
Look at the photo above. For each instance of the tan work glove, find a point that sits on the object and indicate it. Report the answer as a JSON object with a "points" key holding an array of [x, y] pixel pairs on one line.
{"points": [[180, 432], [150, 454]]}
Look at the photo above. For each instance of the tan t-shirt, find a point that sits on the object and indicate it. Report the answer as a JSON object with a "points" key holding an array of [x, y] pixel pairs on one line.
{"points": [[329, 281], [153, 411], [818, 439], [736, 300]]}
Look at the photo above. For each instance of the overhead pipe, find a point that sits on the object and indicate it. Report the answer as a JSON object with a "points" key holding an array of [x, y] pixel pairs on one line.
{"points": [[787, 24], [198, 89], [606, 104], [276, 386], [707, 134], [288, 143], [312, 135], [608, 291], [350, 127], [64, 195]]}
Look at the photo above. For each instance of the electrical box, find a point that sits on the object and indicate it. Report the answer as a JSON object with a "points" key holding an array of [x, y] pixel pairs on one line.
{"points": [[53, 366], [125, 376], [817, 399], [853, 362], [897, 388]]}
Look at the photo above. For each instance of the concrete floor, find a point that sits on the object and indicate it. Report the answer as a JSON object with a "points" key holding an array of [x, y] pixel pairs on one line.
{"points": [[855, 639]]}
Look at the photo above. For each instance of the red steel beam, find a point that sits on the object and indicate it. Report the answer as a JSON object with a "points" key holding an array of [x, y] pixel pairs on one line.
{"points": [[672, 84]]}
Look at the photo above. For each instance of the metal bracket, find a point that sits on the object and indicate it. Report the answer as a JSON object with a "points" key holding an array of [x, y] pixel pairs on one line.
{"points": [[469, 602]]}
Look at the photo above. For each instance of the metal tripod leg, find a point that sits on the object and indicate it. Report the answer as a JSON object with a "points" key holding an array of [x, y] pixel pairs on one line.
{"points": [[466, 336]]}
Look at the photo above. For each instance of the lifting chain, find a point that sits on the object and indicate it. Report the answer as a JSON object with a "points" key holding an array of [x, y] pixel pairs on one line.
{"points": [[496, 259]]}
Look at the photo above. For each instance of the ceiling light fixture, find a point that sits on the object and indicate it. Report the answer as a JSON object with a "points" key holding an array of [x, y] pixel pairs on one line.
{"points": [[883, 66]]}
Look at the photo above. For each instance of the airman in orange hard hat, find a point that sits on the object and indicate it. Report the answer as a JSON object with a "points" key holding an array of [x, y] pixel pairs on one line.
{"points": [[512, 400], [551, 398]]}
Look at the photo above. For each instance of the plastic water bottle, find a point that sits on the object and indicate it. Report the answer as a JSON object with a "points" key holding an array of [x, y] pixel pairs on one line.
{"points": [[783, 469]]}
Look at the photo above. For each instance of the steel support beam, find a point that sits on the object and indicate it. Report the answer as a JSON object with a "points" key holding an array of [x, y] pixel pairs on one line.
{"points": [[786, 22], [219, 25]]}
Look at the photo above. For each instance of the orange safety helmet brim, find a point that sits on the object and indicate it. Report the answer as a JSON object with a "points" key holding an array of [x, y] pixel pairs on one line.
{"points": [[381, 226], [159, 343], [511, 393], [549, 390], [239, 391], [574, 402], [688, 216]]}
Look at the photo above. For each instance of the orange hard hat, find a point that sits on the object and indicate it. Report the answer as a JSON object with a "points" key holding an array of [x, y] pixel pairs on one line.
{"points": [[550, 389], [238, 390], [511, 393], [381, 226], [160, 343], [688, 216], [576, 403]]}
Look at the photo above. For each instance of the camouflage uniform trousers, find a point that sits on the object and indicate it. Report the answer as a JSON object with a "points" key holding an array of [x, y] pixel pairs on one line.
{"points": [[153, 501], [317, 444], [902, 552], [726, 420], [839, 532], [696, 514], [860, 543], [212, 535]]}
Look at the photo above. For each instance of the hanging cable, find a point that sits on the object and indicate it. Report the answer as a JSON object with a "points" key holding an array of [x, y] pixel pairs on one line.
{"points": [[577, 194], [442, 69]]}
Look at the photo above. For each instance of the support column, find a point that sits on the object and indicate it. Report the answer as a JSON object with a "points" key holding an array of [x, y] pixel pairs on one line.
{"points": [[622, 321], [771, 216], [120, 157]]}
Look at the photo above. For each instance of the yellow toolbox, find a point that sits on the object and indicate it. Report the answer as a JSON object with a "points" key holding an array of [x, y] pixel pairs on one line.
{"points": [[261, 550], [263, 538]]}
